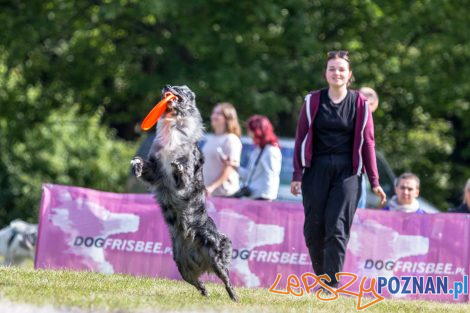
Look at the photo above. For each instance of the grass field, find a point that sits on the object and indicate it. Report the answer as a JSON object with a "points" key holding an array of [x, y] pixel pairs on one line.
{"points": [[90, 292], [76, 291]]}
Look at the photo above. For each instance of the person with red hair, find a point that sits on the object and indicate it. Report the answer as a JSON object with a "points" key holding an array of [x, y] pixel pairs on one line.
{"points": [[260, 180]]}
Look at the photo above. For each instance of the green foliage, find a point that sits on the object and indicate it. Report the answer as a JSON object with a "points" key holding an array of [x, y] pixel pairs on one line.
{"points": [[67, 148], [422, 149], [264, 57]]}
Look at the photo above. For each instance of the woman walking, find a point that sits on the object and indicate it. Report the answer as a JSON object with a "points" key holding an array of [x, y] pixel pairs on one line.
{"points": [[334, 146]]}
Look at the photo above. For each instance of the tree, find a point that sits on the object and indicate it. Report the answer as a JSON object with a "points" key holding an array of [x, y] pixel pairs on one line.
{"points": [[263, 57], [67, 148]]}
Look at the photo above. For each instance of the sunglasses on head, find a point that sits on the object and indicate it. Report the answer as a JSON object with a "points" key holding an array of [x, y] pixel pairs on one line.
{"points": [[343, 54]]}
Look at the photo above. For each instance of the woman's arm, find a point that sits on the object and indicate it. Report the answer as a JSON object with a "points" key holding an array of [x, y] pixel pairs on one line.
{"points": [[370, 161], [302, 130], [368, 152], [228, 169], [233, 149]]}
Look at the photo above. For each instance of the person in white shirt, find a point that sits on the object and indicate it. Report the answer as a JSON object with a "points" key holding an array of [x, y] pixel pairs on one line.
{"points": [[222, 152], [260, 180]]}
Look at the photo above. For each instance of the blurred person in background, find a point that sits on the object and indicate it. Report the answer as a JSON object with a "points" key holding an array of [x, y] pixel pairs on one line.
{"points": [[373, 103], [260, 180], [372, 98], [222, 152], [465, 206], [406, 195]]}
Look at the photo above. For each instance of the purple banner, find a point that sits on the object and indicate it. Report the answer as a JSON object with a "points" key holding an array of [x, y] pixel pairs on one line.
{"points": [[84, 229]]}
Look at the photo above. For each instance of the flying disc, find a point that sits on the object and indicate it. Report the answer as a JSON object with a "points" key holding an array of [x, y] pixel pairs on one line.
{"points": [[157, 111]]}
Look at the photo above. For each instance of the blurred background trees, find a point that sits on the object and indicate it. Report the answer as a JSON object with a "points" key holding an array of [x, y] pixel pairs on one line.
{"points": [[77, 77]]}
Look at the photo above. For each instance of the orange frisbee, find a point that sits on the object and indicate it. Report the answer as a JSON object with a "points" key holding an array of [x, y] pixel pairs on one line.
{"points": [[157, 111]]}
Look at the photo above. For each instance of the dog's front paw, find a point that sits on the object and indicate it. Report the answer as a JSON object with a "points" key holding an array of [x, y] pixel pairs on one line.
{"points": [[178, 171], [137, 166]]}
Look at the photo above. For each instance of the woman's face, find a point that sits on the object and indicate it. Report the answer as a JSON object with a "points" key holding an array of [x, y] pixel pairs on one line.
{"points": [[337, 72], [218, 120]]}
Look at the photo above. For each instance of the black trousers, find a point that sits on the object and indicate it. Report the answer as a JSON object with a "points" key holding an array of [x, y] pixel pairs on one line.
{"points": [[330, 194]]}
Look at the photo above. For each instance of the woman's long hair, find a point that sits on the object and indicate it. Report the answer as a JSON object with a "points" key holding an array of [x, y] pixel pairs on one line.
{"points": [[231, 118], [262, 130]]}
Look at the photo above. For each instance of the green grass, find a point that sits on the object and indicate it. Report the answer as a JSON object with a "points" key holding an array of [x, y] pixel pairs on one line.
{"points": [[123, 293]]}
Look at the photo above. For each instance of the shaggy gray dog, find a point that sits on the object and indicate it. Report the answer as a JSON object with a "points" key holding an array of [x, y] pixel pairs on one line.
{"points": [[173, 170], [18, 242]]}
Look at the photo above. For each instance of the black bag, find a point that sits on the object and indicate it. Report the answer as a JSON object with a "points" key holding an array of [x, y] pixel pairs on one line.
{"points": [[245, 191]]}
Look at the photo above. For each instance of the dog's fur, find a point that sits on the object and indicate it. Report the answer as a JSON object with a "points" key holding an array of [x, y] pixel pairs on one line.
{"points": [[174, 172], [18, 242]]}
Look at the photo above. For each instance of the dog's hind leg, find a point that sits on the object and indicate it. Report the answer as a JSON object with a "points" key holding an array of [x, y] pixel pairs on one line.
{"points": [[192, 280], [201, 287], [8, 260], [222, 273], [221, 264], [198, 284]]}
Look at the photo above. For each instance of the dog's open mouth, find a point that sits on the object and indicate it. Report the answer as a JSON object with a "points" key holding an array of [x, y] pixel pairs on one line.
{"points": [[183, 102], [171, 106]]}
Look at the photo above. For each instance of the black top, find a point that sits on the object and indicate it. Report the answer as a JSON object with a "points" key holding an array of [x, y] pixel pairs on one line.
{"points": [[334, 125], [463, 208]]}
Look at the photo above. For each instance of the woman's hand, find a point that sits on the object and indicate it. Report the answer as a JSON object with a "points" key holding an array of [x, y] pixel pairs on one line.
{"points": [[227, 162], [295, 188], [209, 190], [381, 194]]}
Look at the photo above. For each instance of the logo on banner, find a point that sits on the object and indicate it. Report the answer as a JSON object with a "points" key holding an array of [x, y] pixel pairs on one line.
{"points": [[81, 216], [395, 285]]}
